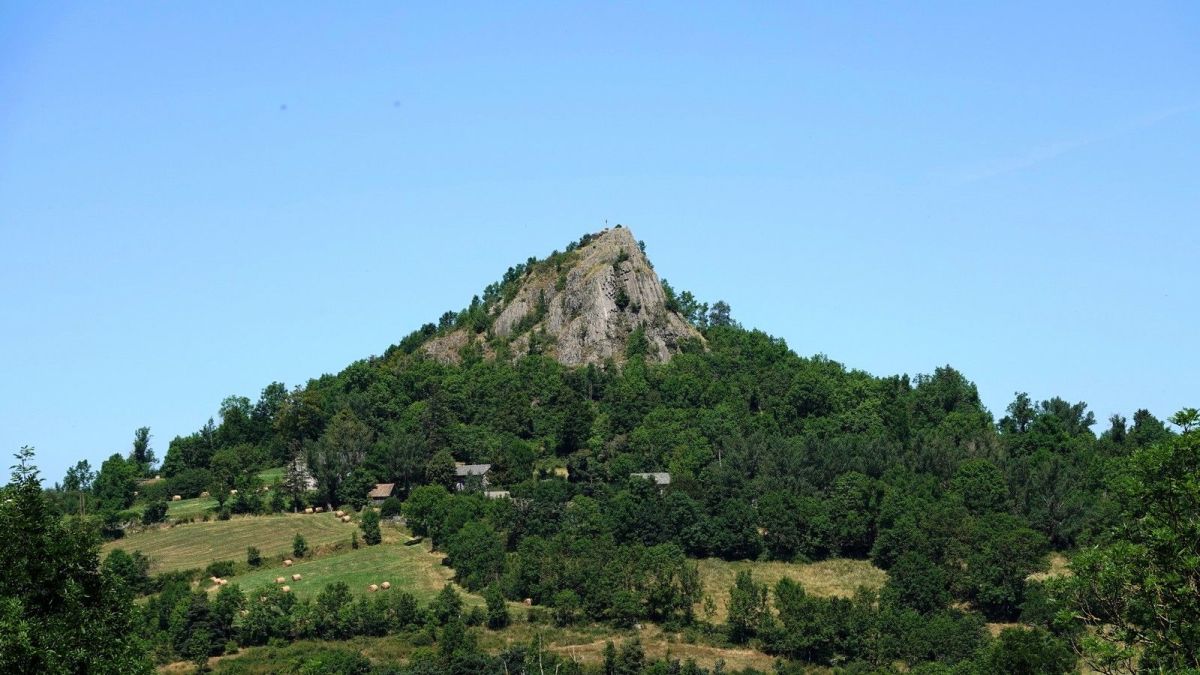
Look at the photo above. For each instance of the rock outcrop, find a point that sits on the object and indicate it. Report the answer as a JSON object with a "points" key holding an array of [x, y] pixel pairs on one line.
{"points": [[580, 307]]}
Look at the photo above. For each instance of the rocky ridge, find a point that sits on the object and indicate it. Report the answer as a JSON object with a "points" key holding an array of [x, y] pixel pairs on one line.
{"points": [[580, 307]]}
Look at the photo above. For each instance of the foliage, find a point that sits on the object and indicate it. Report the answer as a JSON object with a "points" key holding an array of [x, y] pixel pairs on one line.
{"points": [[369, 520], [60, 609], [1137, 594], [299, 546]]}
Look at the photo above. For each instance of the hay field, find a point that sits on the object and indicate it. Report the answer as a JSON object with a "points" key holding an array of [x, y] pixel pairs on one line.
{"points": [[838, 577], [414, 569], [197, 544]]}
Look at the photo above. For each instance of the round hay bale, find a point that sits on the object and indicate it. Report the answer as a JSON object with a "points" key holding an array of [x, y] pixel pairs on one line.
{"points": [[528, 602], [308, 509], [385, 585], [287, 563], [372, 588], [345, 519], [233, 492], [295, 577], [286, 589], [319, 509], [204, 495], [177, 498], [280, 580]]}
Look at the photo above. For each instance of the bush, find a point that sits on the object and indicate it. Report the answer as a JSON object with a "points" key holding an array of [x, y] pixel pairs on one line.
{"points": [[299, 546], [566, 607], [497, 608], [475, 616], [131, 569], [253, 557], [370, 527], [189, 482], [219, 568], [155, 512], [1029, 651], [391, 508], [224, 513], [153, 491]]}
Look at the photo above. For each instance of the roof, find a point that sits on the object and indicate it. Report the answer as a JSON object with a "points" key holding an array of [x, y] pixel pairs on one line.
{"points": [[382, 491], [660, 478], [471, 469]]}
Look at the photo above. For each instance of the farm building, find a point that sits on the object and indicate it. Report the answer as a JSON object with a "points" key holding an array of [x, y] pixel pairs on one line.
{"points": [[380, 493], [471, 475], [661, 478]]}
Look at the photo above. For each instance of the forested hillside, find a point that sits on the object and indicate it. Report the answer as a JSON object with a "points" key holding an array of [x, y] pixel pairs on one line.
{"points": [[771, 455]]}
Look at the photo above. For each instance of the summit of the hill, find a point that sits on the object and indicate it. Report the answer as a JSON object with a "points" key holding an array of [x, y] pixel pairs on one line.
{"points": [[580, 306]]}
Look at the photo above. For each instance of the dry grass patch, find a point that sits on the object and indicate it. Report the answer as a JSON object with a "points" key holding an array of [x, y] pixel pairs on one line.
{"points": [[839, 577], [1059, 567], [197, 544]]}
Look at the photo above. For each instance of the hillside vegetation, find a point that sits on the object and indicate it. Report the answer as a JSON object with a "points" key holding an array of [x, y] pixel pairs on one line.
{"points": [[814, 513]]}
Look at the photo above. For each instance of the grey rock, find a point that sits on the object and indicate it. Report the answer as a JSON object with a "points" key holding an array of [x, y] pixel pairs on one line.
{"points": [[586, 319]]}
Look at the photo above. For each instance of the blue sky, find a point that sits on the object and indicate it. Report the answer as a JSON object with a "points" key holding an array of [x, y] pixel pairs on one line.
{"points": [[197, 199]]}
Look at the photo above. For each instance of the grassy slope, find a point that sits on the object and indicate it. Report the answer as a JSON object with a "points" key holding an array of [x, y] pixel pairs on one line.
{"points": [[419, 571], [409, 568], [197, 544], [838, 577]]}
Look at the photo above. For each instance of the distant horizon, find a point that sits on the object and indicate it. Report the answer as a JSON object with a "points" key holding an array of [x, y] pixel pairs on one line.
{"points": [[196, 201]]}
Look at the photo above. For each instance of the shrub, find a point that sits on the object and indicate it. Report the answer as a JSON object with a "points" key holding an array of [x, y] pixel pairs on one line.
{"points": [[354, 540], [253, 557], [497, 608], [370, 527], [219, 568], [475, 616], [299, 546], [1029, 651], [566, 607], [155, 512], [224, 513], [189, 482], [154, 491], [391, 508], [131, 569]]}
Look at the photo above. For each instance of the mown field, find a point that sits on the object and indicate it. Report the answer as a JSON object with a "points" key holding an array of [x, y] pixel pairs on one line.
{"points": [[414, 569], [197, 544], [839, 577]]}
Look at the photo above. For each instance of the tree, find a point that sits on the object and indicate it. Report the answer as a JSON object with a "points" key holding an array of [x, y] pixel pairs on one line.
{"points": [[60, 610], [142, 456], [1186, 419], [342, 447], [253, 557], [748, 607], [79, 477], [155, 512], [116, 483], [446, 606], [915, 582], [477, 553], [980, 486], [439, 470], [1133, 603], [370, 527], [1021, 651], [299, 546], [497, 608], [720, 314]]}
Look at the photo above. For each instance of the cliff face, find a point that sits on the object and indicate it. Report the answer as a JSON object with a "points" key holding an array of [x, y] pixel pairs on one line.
{"points": [[581, 309]]}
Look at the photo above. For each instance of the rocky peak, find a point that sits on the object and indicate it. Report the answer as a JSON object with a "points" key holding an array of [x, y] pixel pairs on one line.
{"points": [[580, 307]]}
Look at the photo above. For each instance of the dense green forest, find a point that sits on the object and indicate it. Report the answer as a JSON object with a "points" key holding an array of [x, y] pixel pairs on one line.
{"points": [[771, 456]]}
